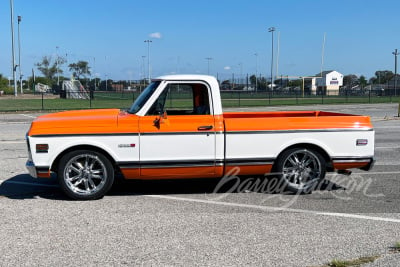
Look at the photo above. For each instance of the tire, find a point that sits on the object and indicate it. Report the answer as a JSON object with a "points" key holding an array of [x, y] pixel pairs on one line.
{"points": [[301, 169], [85, 175]]}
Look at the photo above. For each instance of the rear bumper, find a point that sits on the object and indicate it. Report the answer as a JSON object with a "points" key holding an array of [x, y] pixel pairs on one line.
{"points": [[365, 164], [369, 166]]}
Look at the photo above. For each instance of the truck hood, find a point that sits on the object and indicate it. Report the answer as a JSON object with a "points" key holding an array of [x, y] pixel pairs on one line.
{"points": [[77, 122]]}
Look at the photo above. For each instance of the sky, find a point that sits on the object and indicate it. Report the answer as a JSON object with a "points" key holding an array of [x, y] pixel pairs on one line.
{"points": [[360, 36]]}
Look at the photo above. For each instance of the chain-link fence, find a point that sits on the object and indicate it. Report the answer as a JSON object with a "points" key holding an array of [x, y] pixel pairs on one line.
{"points": [[123, 99]]}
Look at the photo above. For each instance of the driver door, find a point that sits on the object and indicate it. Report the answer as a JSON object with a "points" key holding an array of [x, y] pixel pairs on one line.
{"points": [[175, 141]]}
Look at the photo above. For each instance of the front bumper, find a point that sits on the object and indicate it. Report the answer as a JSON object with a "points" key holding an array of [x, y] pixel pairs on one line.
{"points": [[38, 172], [31, 168]]}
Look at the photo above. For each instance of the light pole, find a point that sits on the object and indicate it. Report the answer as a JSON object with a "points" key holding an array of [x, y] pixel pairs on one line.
{"points": [[241, 72], [19, 55], [208, 64], [148, 58], [57, 69], [94, 67], [395, 53], [143, 68], [256, 68], [14, 67], [143, 73], [271, 30]]}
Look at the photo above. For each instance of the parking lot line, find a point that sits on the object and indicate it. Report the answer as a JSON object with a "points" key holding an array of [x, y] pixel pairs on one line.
{"points": [[387, 147], [13, 142], [29, 116], [278, 209]]}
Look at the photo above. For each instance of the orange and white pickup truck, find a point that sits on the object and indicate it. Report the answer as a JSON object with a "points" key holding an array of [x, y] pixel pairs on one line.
{"points": [[176, 129]]}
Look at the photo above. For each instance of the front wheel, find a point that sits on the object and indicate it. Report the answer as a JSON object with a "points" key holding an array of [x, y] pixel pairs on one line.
{"points": [[301, 169], [85, 175]]}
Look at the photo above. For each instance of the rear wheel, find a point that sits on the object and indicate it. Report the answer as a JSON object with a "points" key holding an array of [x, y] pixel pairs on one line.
{"points": [[85, 174], [301, 169]]}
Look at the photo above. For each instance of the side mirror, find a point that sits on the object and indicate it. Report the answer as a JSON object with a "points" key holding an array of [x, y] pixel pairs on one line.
{"points": [[160, 119]]}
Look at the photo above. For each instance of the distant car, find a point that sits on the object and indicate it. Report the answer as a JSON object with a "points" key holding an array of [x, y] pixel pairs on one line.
{"points": [[378, 91]]}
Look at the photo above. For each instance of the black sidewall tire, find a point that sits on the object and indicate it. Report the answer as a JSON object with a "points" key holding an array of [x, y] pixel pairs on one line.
{"points": [[97, 195]]}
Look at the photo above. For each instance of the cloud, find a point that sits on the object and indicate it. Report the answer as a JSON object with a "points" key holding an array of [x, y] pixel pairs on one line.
{"points": [[227, 68], [156, 35]]}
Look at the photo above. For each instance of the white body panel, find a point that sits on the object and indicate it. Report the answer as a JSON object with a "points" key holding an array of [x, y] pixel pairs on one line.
{"points": [[110, 144], [270, 145], [177, 147]]}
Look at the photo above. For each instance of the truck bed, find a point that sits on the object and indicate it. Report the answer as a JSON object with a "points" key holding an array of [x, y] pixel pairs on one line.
{"points": [[274, 114], [293, 120]]}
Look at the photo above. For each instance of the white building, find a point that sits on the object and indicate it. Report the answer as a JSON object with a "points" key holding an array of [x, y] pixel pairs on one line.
{"points": [[328, 83]]}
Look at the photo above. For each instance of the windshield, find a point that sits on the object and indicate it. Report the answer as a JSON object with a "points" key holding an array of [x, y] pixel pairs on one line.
{"points": [[143, 97]]}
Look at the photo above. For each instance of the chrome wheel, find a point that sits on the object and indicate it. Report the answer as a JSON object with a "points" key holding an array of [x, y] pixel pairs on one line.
{"points": [[85, 175], [301, 169]]}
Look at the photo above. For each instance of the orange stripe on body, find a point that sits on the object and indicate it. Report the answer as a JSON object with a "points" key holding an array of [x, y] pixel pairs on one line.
{"points": [[250, 169]]}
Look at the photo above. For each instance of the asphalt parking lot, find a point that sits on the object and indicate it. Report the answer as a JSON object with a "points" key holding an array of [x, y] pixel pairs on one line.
{"points": [[184, 223]]}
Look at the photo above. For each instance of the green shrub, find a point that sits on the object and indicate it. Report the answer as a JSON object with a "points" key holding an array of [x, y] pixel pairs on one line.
{"points": [[8, 90]]}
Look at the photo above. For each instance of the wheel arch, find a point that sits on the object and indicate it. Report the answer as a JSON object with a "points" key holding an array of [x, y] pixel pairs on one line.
{"points": [[56, 162], [310, 146]]}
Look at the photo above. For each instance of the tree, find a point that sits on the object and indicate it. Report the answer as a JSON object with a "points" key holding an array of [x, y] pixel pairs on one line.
{"points": [[297, 82], [350, 80], [363, 81], [106, 85], [4, 85], [382, 76], [49, 68], [80, 68]]}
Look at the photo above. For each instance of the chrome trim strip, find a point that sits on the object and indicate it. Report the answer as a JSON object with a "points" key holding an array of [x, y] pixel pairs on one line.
{"points": [[195, 163], [182, 133], [89, 134], [170, 164], [299, 131], [352, 160]]}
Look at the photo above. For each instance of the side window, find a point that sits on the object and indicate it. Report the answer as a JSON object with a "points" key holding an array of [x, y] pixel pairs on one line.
{"points": [[182, 99], [159, 105]]}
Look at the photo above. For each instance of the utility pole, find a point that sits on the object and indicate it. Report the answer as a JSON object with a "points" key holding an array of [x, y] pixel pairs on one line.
{"points": [[148, 58], [208, 65], [19, 55], [58, 71], [271, 30], [395, 53], [14, 67], [256, 69]]}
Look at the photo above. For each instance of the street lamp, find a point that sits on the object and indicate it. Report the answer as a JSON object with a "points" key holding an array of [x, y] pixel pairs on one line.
{"points": [[94, 67], [14, 67], [57, 69], [395, 53], [19, 55], [271, 30], [256, 68], [241, 72], [148, 58], [208, 65]]}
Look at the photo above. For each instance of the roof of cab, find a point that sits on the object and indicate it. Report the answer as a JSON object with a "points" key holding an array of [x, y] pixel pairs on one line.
{"points": [[187, 77]]}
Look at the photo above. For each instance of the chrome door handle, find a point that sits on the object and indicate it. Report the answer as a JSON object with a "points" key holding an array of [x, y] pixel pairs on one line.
{"points": [[205, 128]]}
